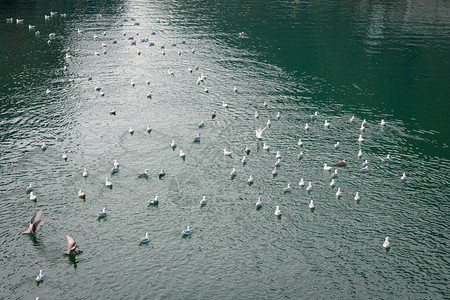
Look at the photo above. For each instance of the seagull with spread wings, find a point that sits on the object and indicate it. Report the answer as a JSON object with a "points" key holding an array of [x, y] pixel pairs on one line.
{"points": [[71, 247], [35, 223]]}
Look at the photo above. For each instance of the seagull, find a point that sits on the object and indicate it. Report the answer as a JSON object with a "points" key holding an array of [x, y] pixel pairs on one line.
{"points": [[114, 169], [203, 201], [362, 128], [33, 196], [44, 146], [275, 172], [196, 138], [81, 194], [357, 197], [154, 201], [364, 122], [278, 156], [309, 188], [337, 145], [365, 163], [287, 189], [300, 155], [201, 124], [301, 183], [112, 112], [29, 188], [247, 150], [277, 211], [130, 130], [227, 153], [256, 115], [352, 119], [332, 183], [233, 173], [19, 21], [132, 83], [340, 162], [360, 154], [35, 223], [213, 115], [224, 105], [265, 104], [326, 168], [365, 169], [108, 183], [173, 144], [116, 163], [278, 116], [259, 131], [149, 129], [386, 244], [383, 123], [360, 139], [161, 174], [244, 160], [48, 91], [145, 239], [182, 154], [250, 180], [71, 247], [386, 159], [259, 203], [143, 174], [187, 231], [338, 193], [266, 147], [326, 124], [278, 163], [41, 276], [335, 174], [269, 123], [31, 27], [103, 213], [306, 126], [315, 116], [311, 204], [235, 89], [403, 178], [300, 143], [64, 156]]}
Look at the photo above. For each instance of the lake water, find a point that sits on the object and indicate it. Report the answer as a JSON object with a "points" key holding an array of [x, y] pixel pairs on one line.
{"points": [[369, 59]]}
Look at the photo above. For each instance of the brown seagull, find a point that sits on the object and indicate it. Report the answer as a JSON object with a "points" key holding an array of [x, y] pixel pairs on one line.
{"points": [[35, 223], [71, 247]]}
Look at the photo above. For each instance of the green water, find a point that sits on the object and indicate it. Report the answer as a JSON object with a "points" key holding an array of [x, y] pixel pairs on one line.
{"points": [[369, 59]]}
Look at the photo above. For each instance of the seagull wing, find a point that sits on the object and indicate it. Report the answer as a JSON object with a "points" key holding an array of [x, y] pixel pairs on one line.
{"points": [[36, 217], [72, 245], [37, 224]]}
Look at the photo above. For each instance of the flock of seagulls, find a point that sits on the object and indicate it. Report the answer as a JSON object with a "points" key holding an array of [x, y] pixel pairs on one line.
{"points": [[72, 247]]}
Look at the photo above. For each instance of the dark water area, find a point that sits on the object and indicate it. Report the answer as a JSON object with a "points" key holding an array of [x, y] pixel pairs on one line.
{"points": [[372, 60]]}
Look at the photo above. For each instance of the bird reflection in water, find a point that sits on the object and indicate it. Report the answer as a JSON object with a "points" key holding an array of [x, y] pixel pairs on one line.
{"points": [[73, 261]]}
